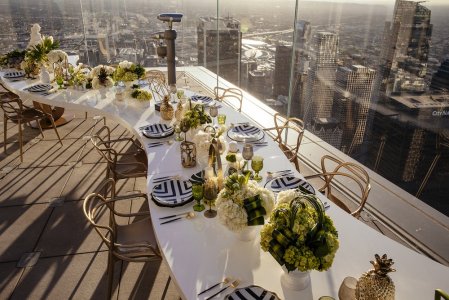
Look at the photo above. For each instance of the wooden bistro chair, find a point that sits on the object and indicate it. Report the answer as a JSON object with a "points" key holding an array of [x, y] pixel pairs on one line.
{"points": [[229, 95], [121, 165], [352, 174], [133, 242], [288, 133], [17, 112], [440, 295]]}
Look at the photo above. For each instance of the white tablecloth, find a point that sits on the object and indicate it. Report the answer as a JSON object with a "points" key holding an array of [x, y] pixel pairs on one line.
{"points": [[201, 252]]}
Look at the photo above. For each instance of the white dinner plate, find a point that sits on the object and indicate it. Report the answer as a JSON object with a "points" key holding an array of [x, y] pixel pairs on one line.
{"points": [[252, 292], [14, 74], [172, 193], [289, 182], [157, 131], [39, 88], [246, 133]]}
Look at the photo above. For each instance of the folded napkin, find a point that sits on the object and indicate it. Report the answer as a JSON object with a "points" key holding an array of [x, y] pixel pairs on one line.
{"points": [[248, 138]]}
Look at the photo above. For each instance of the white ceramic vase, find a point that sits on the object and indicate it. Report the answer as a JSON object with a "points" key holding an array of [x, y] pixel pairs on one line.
{"points": [[140, 104], [295, 280], [44, 75], [247, 234]]}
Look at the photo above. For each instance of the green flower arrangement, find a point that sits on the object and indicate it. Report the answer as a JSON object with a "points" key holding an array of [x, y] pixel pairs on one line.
{"points": [[12, 59], [196, 117], [299, 235], [38, 53], [141, 95], [127, 71]]}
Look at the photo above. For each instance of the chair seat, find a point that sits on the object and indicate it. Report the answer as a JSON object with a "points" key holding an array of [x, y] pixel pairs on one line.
{"points": [[140, 232], [28, 114]]}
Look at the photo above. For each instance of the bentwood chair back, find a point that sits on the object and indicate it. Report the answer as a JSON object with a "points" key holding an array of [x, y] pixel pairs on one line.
{"points": [[157, 83], [440, 295], [15, 111], [288, 133], [121, 164], [232, 96], [347, 175], [134, 242]]}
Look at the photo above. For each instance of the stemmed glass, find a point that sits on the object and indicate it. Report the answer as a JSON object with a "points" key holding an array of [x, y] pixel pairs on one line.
{"points": [[247, 152], [213, 112], [178, 137], [257, 166], [210, 194], [184, 125], [197, 191], [173, 90]]}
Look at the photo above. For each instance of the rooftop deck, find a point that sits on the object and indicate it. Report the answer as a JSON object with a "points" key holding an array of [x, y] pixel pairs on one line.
{"points": [[47, 248]]}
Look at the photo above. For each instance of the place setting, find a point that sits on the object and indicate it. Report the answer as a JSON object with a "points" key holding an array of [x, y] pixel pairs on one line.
{"points": [[246, 133], [43, 89], [171, 191], [14, 75]]}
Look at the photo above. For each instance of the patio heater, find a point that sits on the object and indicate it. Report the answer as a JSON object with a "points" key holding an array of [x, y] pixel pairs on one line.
{"points": [[168, 49]]}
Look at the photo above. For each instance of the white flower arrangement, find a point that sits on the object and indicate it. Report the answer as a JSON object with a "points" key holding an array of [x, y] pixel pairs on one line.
{"points": [[56, 56], [125, 64], [230, 201], [101, 76]]}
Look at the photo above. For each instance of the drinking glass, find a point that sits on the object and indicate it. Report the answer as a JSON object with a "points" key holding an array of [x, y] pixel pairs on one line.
{"points": [[178, 137], [184, 125], [213, 112], [173, 90], [210, 194], [197, 191], [247, 152], [221, 118], [257, 166], [60, 81]]}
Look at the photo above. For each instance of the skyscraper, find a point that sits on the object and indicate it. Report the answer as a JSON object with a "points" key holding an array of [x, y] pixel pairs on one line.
{"points": [[405, 50], [282, 67], [321, 78], [440, 80], [352, 98], [220, 40]]}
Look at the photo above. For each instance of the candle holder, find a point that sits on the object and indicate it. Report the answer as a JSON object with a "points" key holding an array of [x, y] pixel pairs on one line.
{"points": [[188, 154]]}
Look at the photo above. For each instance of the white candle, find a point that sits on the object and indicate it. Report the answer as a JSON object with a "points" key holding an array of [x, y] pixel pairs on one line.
{"points": [[208, 172]]}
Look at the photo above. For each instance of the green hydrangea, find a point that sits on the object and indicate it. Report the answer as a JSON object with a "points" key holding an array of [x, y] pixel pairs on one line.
{"points": [[300, 246]]}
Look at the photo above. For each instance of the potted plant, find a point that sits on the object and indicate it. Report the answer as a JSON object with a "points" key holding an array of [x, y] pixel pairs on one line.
{"points": [[300, 236]]}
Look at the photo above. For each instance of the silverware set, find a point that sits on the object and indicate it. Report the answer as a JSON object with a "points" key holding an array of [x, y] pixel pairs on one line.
{"points": [[227, 282], [188, 215], [157, 144]]}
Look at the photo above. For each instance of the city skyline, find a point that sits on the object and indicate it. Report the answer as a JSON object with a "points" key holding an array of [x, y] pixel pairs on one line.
{"points": [[333, 87]]}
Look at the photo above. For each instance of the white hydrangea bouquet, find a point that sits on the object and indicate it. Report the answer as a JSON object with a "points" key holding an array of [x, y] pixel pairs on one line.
{"points": [[128, 71], [299, 235], [101, 76], [242, 203], [57, 58]]}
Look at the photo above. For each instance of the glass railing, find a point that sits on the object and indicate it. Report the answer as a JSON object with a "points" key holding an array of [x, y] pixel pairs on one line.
{"points": [[369, 78]]}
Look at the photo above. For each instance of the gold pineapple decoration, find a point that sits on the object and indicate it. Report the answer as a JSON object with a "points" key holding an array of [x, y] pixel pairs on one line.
{"points": [[376, 284]]}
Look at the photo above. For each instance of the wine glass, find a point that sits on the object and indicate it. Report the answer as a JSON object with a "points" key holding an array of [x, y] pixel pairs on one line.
{"points": [[197, 191], [173, 90], [257, 166], [185, 126], [210, 193], [60, 81], [247, 152], [178, 137], [213, 112]]}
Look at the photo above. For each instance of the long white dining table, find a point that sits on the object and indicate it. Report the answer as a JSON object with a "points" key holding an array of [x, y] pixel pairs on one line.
{"points": [[201, 251]]}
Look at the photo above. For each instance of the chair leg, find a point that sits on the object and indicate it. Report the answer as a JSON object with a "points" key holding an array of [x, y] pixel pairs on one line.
{"points": [[5, 129], [56, 130], [20, 140], [110, 271], [40, 128]]}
